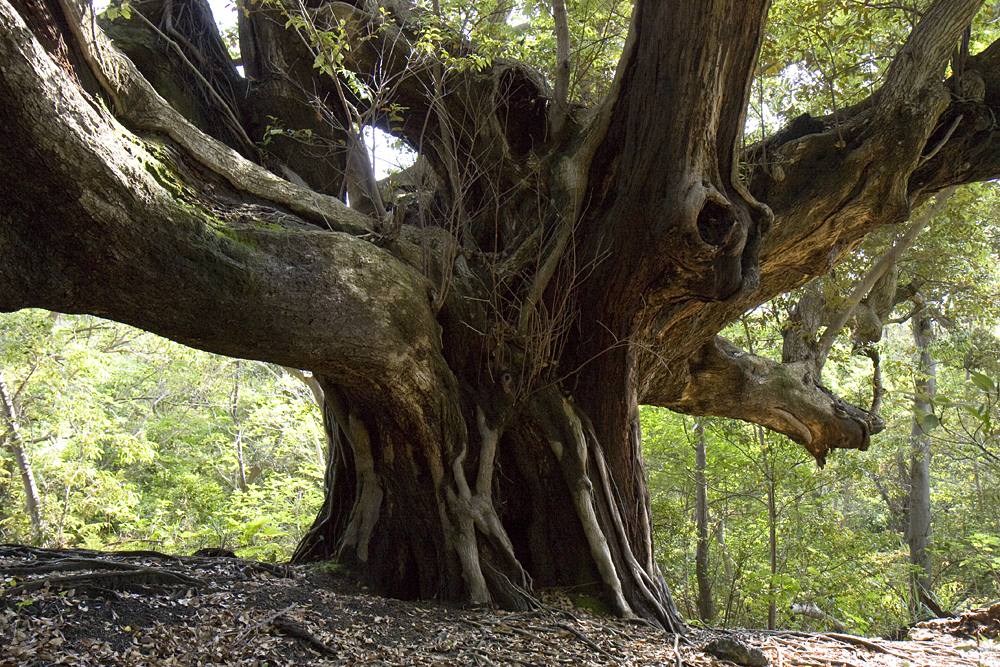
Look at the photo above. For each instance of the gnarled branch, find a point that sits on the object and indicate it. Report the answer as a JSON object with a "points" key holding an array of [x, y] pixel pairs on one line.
{"points": [[725, 381]]}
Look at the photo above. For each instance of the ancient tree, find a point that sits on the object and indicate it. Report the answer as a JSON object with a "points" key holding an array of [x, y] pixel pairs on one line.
{"points": [[484, 327]]}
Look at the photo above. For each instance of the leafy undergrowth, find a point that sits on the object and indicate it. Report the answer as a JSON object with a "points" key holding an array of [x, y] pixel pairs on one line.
{"points": [[82, 607]]}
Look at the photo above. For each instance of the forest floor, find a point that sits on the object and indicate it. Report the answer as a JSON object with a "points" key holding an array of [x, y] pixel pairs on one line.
{"points": [[80, 607]]}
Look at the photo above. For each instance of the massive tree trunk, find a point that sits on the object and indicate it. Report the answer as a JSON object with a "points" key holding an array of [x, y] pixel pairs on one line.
{"points": [[482, 347]]}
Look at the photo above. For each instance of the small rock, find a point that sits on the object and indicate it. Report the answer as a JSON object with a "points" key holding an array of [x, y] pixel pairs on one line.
{"points": [[732, 650]]}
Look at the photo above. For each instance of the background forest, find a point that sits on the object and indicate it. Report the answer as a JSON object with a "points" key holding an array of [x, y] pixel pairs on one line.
{"points": [[840, 533], [127, 440]]}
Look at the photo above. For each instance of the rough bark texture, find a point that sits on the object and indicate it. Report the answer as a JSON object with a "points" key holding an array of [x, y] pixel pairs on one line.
{"points": [[482, 348]]}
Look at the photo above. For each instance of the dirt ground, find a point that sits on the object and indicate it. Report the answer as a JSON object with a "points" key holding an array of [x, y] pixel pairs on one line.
{"points": [[80, 607]]}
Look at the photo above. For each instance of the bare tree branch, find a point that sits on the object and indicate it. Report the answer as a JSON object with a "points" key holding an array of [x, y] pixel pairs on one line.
{"points": [[560, 108], [876, 272]]}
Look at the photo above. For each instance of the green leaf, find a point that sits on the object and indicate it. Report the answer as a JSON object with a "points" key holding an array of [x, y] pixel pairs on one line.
{"points": [[983, 382], [975, 411]]}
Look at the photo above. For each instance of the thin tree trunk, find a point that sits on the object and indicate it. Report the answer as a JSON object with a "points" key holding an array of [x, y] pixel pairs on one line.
{"points": [[706, 606], [727, 565], [727, 562], [772, 534], [920, 491], [234, 400], [772, 512], [686, 578], [6, 479], [16, 445]]}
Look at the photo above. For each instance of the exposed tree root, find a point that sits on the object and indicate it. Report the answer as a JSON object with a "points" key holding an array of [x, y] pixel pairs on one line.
{"points": [[572, 458], [369, 500], [476, 510], [465, 536], [644, 580], [137, 580], [45, 561], [585, 639], [69, 565]]}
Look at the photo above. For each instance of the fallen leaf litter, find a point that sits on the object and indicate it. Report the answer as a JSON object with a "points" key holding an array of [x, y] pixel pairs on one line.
{"points": [[81, 607]]}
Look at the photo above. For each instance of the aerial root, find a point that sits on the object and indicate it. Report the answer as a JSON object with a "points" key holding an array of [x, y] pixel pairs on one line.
{"points": [[573, 460], [365, 514], [475, 510], [643, 579]]}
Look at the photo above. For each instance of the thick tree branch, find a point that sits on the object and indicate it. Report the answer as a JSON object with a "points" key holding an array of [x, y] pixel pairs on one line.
{"points": [[826, 197], [829, 182], [674, 126], [234, 124], [826, 179], [195, 269], [725, 381], [140, 107], [924, 56], [714, 77]]}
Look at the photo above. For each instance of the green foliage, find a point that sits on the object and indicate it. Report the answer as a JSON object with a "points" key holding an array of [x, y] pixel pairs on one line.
{"points": [[231, 38], [118, 8], [834, 547], [821, 56], [597, 36], [841, 531], [133, 441]]}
